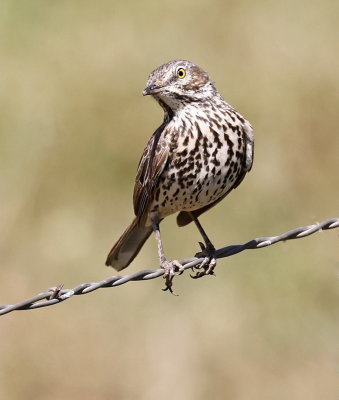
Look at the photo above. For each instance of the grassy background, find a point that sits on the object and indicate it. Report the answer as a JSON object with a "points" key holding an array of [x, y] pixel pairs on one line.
{"points": [[73, 125]]}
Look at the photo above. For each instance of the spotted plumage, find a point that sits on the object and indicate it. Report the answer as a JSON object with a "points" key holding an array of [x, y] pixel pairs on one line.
{"points": [[201, 151]]}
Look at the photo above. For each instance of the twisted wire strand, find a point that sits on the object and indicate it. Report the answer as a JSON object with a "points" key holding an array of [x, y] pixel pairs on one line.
{"points": [[56, 295]]}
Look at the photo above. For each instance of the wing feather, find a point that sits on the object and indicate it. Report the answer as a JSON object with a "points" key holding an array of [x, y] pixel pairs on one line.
{"points": [[151, 165]]}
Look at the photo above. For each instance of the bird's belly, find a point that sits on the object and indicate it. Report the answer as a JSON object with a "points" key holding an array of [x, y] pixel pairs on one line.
{"points": [[192, 190], [201, 170]]}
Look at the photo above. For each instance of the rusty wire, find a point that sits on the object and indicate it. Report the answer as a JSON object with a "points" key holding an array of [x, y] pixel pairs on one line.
{"points": [[56, 295]]}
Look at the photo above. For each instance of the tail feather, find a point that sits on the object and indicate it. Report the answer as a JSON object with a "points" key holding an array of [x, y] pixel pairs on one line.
{"points": [[128, 246]]}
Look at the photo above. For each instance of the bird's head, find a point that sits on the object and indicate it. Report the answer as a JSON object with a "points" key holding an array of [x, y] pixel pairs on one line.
{"points": [[179, 82]]}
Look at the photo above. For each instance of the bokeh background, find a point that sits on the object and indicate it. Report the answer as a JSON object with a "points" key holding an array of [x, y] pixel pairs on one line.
{"points": [[73, 125]]}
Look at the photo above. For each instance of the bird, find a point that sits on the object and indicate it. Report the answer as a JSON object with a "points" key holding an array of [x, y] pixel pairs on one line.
{"points": [[201, 152]]}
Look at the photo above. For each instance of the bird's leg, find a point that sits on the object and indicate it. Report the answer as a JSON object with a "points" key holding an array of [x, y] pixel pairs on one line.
{"points": [[170, 266], [208, 251]]}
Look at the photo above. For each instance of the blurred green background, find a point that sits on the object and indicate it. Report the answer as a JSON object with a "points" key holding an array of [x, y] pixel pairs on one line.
{"points": [[73, 125]]}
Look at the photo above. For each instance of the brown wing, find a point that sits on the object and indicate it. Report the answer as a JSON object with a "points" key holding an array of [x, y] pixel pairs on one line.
{"points": [[184, 217], [151, 165]]}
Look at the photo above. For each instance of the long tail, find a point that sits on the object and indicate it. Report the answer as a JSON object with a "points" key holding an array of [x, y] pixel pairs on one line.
{"points": [[128, 246]]}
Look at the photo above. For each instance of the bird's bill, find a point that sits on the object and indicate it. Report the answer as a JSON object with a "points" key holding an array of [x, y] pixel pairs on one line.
{"points": [[151, 89]]}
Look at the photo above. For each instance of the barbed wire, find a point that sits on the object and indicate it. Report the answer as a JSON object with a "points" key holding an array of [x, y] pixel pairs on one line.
{"points": [[57, 294]]}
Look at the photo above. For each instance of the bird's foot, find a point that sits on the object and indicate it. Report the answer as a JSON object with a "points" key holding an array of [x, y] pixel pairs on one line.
{"points": [[172, 268], [209, 262]]}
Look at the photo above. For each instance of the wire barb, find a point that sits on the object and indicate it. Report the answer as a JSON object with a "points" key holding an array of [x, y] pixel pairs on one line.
{"points": [[56, 295]]}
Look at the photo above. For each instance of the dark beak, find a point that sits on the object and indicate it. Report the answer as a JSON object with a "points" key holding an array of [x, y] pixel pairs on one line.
{"points": [[151, 89]]}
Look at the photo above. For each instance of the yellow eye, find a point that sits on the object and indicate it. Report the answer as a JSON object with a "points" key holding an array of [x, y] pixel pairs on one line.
{"points": [[181, 73]]}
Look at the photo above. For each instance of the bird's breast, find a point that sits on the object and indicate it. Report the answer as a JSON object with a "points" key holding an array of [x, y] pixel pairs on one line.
{"points": [[204, 161]]}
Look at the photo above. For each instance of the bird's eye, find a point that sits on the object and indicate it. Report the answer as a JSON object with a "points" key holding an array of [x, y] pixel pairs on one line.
{"points": [[181, 73]]}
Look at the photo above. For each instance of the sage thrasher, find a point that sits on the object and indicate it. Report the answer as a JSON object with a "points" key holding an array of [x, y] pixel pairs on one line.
{"points": [[201, 151]]}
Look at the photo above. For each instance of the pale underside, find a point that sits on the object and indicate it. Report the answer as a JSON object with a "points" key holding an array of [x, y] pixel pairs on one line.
{"points": [[193, 165]]}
